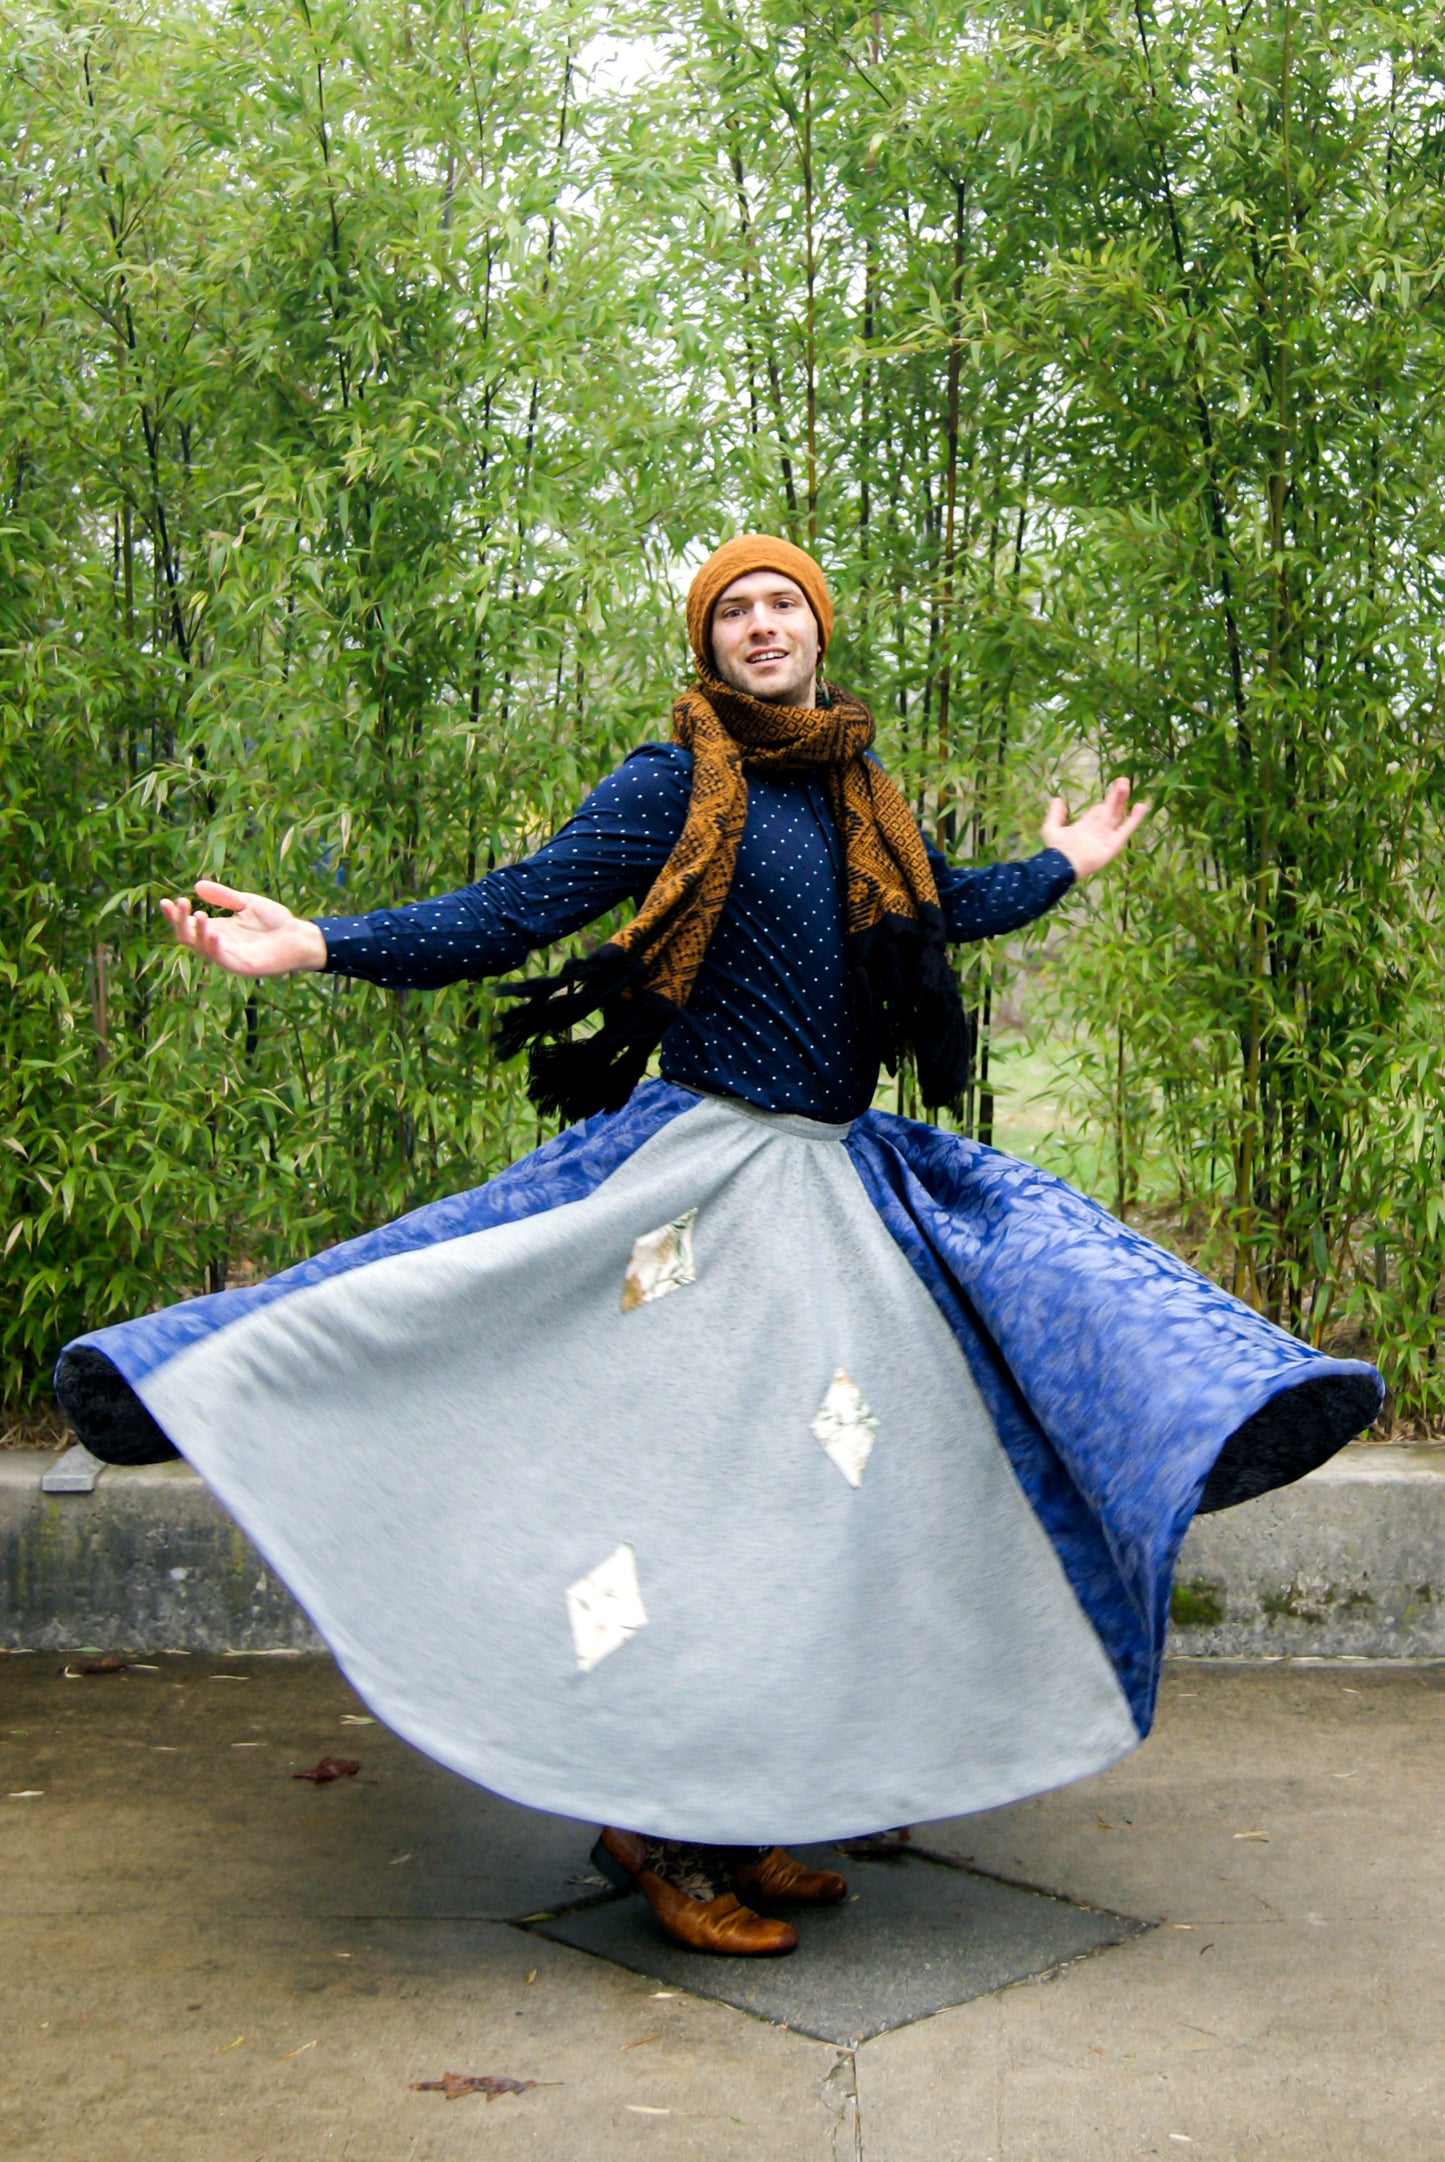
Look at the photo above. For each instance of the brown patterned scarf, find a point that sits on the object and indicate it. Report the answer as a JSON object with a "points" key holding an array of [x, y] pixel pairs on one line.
{"points": [[905, 993]]}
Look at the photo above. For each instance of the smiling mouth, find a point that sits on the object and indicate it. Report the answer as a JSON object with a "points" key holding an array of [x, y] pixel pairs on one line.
{"points": [[769, 653]]}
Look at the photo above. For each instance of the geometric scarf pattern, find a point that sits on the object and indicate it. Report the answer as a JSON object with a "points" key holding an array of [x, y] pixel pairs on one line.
{"points": [[905, 992]]}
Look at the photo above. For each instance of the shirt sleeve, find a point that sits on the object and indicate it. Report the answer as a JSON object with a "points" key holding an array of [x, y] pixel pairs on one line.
{"points": [[1001, 896], [608, 852]]}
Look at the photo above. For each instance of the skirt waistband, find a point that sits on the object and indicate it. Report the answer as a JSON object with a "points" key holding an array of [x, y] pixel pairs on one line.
{"points": [[782, 1122]]}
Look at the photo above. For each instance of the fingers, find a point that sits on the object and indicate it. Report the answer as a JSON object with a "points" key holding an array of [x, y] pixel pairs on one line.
{"points": [[208, 940], [200, 934], [182, 919], [191, 925], [1114, 812], [1116, 807], [219, 896], [195, 931], [1112, 838]]}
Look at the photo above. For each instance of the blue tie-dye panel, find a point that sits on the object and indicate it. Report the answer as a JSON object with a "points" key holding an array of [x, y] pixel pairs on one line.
{"points": [[567, 1168], [1113, 1371]]}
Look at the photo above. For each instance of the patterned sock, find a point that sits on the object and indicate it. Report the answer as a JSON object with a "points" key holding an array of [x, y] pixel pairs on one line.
{"points": [[699, 1872]]}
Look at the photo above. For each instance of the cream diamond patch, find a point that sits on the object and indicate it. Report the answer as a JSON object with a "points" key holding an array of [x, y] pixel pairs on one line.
{"points": [[846, 1427], [661, 1261], [605, 1608]]}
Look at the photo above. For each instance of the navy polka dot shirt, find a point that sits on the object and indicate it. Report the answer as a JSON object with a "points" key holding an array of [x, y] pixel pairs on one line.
{"points": [[770, 1018]]}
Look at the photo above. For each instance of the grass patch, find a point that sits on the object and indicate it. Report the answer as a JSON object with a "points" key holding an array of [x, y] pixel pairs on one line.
{"points": [[1198, 1604]]}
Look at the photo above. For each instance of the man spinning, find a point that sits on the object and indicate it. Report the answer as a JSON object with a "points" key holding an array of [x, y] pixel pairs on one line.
{"points": [[804, 1469]]}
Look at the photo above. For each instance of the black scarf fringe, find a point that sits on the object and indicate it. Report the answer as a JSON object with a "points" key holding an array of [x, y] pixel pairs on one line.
{"points": [[571, 1077], [908, 1003], [549, 1005], [905, 992]]}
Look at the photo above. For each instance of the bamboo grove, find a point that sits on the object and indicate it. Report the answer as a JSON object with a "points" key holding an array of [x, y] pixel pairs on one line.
{"points": [[373, 372]]}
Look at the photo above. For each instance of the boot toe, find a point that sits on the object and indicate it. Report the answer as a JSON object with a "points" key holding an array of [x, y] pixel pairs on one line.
{"points": [[716, 1925]]}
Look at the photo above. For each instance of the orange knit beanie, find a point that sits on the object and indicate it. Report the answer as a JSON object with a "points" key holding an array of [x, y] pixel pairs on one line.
{"points": [[735, 559]]}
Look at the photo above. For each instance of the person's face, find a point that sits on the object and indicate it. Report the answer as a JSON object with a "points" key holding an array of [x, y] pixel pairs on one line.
{"points": [[765, 639]]}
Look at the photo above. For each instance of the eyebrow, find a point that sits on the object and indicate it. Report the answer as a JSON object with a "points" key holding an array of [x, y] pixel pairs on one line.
{"points": [[778, 593]]}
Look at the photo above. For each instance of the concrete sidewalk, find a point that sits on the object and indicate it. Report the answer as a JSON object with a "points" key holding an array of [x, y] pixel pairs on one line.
{"points": [[206, 1960]]}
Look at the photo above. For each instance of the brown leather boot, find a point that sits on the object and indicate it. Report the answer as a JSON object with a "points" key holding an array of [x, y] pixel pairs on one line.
{"points": [[720, 1924], [774, 1875]]}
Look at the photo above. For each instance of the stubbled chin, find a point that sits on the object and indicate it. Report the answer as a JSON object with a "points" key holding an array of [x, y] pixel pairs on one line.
{"points": [[777, 689], [773, 685]]}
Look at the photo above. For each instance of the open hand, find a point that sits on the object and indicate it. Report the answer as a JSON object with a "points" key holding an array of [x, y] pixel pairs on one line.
{"points": [[1096, 836], [262, 938]]}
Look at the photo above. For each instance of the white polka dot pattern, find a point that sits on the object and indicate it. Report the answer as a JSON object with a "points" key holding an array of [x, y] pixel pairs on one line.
{"points": [[770, 1018]]}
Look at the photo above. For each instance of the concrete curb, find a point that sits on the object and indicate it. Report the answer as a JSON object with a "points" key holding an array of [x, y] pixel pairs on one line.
{"points": [[150, 1558], [1348, 1563]]}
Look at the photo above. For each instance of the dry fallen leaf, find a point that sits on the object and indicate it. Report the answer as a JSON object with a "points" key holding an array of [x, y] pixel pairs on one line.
{"points": [[108, 1663], [641, 2039], [356, 1719], [1247, 1835], [240, 2038], [322, 1774], [455, 2084], [301, 2052]]}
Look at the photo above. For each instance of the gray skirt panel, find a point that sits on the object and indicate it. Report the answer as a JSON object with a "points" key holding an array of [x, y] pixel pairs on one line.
{"points": [[675, 1506]]}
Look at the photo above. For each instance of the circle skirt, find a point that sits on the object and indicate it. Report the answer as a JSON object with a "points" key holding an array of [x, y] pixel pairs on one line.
{"points": [[731, 1476]]}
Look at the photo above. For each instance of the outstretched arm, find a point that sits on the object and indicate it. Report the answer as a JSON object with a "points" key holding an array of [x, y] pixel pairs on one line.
{"points": [[997, 898], [607, 853]]}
